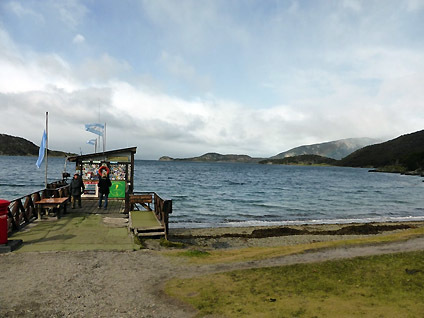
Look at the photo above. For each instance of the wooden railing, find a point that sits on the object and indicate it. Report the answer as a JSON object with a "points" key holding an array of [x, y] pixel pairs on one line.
{"points": [[162, 208], [22, 211]]}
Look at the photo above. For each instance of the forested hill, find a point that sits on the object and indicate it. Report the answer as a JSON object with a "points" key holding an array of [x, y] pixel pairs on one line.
{"points": [[17, 146], [304, 160], [403, 153]]}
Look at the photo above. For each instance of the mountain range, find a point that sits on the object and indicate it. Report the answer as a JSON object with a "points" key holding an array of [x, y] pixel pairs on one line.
{"points": [[332, 149], [403, 154]]}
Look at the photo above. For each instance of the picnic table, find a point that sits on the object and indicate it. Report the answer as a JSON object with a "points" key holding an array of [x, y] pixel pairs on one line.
{"points": [[52, 203]]}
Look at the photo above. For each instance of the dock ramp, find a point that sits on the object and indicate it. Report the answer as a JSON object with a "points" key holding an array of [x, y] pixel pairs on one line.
{"points": [[143, 220]]}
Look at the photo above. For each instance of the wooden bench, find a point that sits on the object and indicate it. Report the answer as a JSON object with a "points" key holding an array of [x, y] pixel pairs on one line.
{"points": [[52, 203]]}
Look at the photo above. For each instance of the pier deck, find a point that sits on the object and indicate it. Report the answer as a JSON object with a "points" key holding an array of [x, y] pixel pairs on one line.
{"points": [[81, 229], [91, 207]]}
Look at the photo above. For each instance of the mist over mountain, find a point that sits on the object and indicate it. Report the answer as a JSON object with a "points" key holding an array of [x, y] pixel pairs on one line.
{"points": [[333, 149]]}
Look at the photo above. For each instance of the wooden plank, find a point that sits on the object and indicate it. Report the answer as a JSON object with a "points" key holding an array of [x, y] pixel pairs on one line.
{"points": [[144, 220], [141, 198], [148, 234]]}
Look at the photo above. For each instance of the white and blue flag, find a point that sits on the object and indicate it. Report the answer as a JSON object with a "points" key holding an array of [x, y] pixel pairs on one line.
{"points": [[95, 128], [42, 150], [92, 141]]}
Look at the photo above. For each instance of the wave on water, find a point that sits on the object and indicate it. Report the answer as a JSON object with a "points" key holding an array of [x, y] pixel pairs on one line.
{"points": [[229, 182], [13, 185]]}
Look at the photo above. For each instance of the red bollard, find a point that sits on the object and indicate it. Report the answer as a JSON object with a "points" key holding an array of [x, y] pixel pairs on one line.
{"points": [[4, 204]]}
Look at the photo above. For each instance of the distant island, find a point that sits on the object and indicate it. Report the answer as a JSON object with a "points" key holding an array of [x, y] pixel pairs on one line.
{"points": [[216, 157], [17, 146]]}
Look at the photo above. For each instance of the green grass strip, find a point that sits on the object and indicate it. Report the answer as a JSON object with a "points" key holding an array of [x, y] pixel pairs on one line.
{"points": [[258, 253], [379, 286]]}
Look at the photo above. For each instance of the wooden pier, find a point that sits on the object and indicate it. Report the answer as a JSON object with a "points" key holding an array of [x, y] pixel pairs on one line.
{"points": [[146, 212]]}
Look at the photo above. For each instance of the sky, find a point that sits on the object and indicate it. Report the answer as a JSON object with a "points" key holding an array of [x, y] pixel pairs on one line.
{"points": [[182, 78]]}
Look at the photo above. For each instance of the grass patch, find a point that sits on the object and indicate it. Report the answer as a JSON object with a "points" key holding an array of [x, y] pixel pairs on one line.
{"points": [[165, 243], [138, 242], [378, 286], [258, 253], [194, 254], [76, 232]]}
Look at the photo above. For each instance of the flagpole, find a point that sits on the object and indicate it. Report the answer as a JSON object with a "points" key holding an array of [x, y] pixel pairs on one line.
{"points": [[47, 143], [104, 138]]}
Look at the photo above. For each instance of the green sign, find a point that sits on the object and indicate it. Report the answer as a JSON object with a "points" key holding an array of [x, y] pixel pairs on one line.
{"points": [[117, 190]]}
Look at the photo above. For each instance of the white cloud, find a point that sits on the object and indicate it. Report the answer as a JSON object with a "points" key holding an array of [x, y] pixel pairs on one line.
{"points": [[24, 12], [354, 5], [78, 39], [180, 68], [321, 87], [414, 5], [196, 26], [71, 12], [101, 69]]}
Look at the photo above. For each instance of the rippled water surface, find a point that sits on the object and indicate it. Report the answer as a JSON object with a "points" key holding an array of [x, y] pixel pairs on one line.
{"points": [[225, 194]]}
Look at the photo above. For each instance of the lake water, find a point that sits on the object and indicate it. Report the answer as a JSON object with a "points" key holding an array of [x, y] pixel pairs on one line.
{"points": [[226, 194]]}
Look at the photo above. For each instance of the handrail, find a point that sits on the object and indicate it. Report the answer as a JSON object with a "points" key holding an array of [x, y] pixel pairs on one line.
{"points": [[162, 210], [22, 211]]}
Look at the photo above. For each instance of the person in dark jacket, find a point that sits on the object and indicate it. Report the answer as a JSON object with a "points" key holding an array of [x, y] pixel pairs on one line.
{"points": [[104, 185], [76, 188]]}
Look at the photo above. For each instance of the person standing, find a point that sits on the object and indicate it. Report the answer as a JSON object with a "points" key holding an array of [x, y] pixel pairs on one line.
{"points": [[104, 185], [77, 188]]}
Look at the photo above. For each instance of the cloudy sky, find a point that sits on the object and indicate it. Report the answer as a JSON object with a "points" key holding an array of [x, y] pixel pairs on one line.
{"points": [[182, 78]]}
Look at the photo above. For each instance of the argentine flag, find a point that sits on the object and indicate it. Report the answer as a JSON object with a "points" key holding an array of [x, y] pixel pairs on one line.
{"points": [[95, 128], [42, 150]]}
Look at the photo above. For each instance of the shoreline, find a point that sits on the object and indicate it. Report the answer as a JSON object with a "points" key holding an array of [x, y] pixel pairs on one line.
{"points": [[269, 236], [209, 230]]}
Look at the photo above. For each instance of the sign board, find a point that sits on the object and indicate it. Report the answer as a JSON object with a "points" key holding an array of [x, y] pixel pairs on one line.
{"points": [[91, 189], [117, 190]]}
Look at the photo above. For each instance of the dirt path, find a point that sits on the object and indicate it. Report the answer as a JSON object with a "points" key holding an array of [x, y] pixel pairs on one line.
{"points": [[124, 284]]}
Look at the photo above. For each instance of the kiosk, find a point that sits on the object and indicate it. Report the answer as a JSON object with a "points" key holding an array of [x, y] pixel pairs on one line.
{"points": [[120, 165]]}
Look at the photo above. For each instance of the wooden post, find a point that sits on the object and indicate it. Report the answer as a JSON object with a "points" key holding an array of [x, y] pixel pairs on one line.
{"points": [[47, 143]]}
